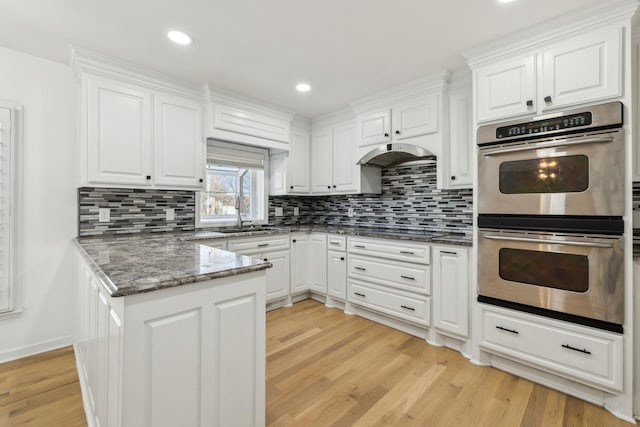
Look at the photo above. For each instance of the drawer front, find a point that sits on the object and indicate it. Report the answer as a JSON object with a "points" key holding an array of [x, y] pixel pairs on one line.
{"points": [[588, 356], [411, 277], [390, 301], [336, 243], [390, 249], [255, 245]]}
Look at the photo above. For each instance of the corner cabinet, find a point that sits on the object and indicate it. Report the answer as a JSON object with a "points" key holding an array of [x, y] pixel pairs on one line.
{"points": [[451, 290], [570, 71], [136, 137]]}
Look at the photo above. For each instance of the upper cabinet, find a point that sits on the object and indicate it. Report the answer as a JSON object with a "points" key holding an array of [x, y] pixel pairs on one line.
{"points": [[456, 162], [374, 128], [579, 69], [290, 170]]}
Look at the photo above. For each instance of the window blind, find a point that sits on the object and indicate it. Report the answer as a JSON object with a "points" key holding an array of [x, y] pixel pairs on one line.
{"points": [[227, 154], [5, 209]]}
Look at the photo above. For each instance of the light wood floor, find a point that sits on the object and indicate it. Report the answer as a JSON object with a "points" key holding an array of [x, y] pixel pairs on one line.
{"points": [[325, 368]]}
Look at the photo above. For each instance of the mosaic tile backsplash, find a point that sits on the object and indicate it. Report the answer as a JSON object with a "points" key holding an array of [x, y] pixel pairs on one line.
{"points": [[134, 210], [409, 200]]}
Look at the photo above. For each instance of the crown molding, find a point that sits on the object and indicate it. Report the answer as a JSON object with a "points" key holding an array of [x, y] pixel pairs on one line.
{"points": [[87, 61], [233, 99], [428, 84], [301, 123], [333, 118], [566, 25], [460, 79]]}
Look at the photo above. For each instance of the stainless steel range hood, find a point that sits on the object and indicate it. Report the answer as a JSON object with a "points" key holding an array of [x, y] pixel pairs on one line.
{"points": [[393, 154]]}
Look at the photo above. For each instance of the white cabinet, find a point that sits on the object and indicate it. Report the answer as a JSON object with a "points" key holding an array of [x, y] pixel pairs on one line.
{"points": [[337, 275], [278, 275], [575, 70], [404, 120], [457, 158], [300, 246], [118, 132], [179, 145], [290, 170], [333, 164], [318, 263], [133, 136], [250, 122], [451, 290]]}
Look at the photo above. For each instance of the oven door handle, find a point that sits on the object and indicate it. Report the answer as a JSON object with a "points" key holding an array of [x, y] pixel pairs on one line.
{"points": [[556, 143], [550, 241]]}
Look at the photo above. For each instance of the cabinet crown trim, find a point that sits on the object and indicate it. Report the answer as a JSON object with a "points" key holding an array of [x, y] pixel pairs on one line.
{"points": [[88, 61], [563, 26], [428, 84], [222, 96]]}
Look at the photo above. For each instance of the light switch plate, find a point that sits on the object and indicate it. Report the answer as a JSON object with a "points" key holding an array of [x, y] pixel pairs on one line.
{"points": [[296, 211], [279, 212], [104, 215], [171, 214]]}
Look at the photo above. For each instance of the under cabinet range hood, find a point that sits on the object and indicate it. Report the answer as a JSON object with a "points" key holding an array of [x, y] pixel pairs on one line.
{"points": [[387, 155]]}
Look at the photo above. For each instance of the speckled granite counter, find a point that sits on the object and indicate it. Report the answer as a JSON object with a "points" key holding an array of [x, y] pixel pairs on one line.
{"points": [[129, 265]]}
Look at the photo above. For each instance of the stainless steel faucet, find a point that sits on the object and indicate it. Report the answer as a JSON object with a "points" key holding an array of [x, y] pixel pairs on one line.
{"points": [[239, 220]]}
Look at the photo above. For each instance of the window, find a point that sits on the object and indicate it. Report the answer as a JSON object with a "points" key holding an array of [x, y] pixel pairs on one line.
{"points": [[235, 180], [6, 217]]}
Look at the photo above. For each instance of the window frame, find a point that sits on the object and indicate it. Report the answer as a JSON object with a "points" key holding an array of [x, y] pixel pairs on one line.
{"points": [[261, 199]]}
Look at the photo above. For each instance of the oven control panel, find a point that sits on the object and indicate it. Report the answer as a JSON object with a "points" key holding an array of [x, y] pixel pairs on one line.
{"points": [[541, 126]]}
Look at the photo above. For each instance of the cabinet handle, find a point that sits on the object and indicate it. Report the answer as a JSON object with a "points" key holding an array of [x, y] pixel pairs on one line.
{"points": [[360, 268], [408, 308], [148, 177], [329, 187], [291, 187], [386, 135], [502, 328], [359, 246], [397, 132], [453, 178], [201, 180], [341, 258], [266, 260], [407, 252], [408, 277], [448, 252], [334, 186], [547, 99], [529, 102], [262, 245], [360, 295], [581, 350], [294, 240]]}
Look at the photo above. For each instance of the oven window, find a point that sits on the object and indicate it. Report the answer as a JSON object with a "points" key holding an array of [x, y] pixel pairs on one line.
{"points": [[569, 174], [550, 269]]}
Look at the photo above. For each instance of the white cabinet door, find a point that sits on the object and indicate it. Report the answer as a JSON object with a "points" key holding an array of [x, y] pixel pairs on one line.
{"points": [[278, 275], [415, 118], [318, 264], [298, 164], [345, 171], [179, 145], [278, 174], [584, 68], [299, 263], [118, 133], [321, 162], [459, 152], [451, 290], [337, 274], [505, 88], [374, 128]]}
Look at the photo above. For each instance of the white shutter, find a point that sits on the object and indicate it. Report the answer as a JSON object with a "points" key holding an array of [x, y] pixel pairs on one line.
{"points": [[6, 194]]}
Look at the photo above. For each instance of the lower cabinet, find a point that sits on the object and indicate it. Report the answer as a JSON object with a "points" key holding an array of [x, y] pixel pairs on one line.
{"points": [[300, 262], [451, 290], [318, 263], [337, 274], [278, 276]]}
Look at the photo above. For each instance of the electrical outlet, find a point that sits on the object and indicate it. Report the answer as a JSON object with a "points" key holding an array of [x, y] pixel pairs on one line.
{"points": [[104, 215], [171, 214], [351, 213], [279, 212], [296, 211]]}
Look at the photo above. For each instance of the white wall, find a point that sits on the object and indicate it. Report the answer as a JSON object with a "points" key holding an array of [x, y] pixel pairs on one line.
{"points": [[47, 217]]}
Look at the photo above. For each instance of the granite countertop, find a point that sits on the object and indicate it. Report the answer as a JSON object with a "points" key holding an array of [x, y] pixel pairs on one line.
{"points": [[143, 263]]}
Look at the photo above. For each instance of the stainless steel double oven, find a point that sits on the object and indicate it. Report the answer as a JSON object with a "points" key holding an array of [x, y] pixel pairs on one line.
{"points": [[550, 204]]}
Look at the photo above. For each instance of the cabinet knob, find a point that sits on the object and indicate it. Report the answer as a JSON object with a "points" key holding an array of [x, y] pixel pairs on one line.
{"points": [[397, 132], [329, 187], [453, 178], [386, 135], [341, 258], [148, 177], [266, 260], [291, 187], [334, 186], [547, 99], [294, 240], [200, 180], [530, 103]]}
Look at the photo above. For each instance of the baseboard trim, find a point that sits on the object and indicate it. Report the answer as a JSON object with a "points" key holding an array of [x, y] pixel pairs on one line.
{"points": [[30, 350]]}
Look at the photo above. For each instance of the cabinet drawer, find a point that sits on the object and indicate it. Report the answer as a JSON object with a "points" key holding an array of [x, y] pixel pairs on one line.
{"points": [[262, 244], [411, 277], [336, 243], [585, 355], [394, 302], [401, 251]]}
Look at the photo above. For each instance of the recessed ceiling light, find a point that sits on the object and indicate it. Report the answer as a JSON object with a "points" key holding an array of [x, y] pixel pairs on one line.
{"points": [[303, 87], [179, 37]]}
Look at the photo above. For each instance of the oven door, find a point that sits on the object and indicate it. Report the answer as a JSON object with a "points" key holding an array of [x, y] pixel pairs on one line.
{"points": [[573, 274], [574, 175]]}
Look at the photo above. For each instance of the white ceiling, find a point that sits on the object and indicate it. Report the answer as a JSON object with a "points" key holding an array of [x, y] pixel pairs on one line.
{"points": [[345, 49]]}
